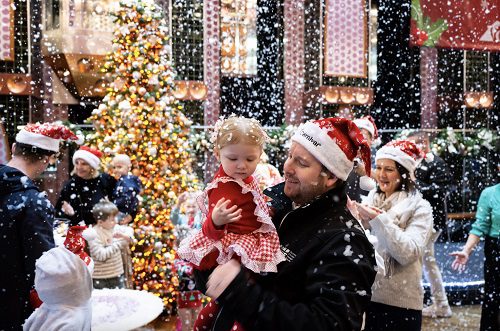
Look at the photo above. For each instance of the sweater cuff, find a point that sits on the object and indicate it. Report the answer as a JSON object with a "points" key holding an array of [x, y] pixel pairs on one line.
{"points": [[211, 231], [377, 225]]}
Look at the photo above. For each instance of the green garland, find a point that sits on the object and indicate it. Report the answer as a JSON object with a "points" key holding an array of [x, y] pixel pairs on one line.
{"points": [[450, 141]]}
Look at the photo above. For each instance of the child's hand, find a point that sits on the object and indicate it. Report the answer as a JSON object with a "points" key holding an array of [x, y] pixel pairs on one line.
{"points": [[122, 236], [221, 215], [126, 220], [67, 209]]}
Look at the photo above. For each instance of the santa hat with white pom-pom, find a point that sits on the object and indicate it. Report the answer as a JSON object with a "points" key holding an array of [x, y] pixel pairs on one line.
{"points": [[46, 136], [334, 142], [90, 155], [404, 152]]}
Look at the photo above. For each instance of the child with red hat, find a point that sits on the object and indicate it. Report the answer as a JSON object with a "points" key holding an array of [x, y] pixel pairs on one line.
{"points": [[26, 216]]}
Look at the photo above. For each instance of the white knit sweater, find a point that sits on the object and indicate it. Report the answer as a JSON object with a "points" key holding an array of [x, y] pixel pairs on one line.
{"points": [[106, 253], [402, 232]]}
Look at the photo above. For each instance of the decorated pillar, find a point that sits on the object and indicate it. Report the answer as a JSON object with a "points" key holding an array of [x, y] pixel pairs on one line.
{"points": [[294, 59], [428, 87], [211, 52]]}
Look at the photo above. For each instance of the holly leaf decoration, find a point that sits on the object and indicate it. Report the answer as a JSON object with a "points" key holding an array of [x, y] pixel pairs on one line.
{"points": [[423, 31], [434, 31]]}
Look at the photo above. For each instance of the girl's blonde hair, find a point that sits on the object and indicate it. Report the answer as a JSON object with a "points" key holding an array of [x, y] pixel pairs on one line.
{"points": [[236, 130]]}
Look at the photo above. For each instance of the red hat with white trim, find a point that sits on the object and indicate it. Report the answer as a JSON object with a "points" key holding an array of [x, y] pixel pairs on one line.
{"points": [[367, 123], [404, 152], [46, 136], [90, 155], [334, 142]]}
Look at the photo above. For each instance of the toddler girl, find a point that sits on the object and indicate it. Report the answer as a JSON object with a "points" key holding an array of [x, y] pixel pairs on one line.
{"points": [[237, 223]]}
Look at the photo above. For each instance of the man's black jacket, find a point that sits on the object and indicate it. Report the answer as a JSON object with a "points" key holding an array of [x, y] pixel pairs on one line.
{"points": [[26, 219], [325, 284]]}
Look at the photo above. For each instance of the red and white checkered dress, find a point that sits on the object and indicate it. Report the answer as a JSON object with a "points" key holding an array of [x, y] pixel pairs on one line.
{"points": [[259, 250]]}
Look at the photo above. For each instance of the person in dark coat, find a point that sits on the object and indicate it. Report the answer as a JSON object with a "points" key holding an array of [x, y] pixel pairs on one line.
{"points": [[85, 188], [26, 217], [433, 179], [325, 282]]}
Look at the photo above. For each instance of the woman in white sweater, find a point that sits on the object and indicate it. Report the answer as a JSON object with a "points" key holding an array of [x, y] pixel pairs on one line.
{"points": [[401, 221]]}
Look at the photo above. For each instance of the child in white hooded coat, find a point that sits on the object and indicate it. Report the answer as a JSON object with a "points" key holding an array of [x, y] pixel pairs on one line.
{"points": [[64, 284]]}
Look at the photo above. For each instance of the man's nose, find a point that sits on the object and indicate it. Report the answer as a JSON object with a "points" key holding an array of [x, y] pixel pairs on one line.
{"points": [[287, 167]]}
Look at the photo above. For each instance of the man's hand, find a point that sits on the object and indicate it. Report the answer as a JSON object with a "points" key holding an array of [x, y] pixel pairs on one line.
{"points": [[221, 277], [67, 209], [221, 215]]}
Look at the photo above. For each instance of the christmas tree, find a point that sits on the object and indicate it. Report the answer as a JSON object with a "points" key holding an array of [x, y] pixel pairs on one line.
{"points": [[140, 117]]}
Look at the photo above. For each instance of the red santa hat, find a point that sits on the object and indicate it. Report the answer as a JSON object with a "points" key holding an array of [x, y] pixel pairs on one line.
{"points": [[404, 152], [90, 155], [46, 136], [76, 244], [335, 143], [367, 123]]}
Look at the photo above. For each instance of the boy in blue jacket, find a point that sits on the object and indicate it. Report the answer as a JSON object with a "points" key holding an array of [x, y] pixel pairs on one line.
{"points": [[128, 188]]}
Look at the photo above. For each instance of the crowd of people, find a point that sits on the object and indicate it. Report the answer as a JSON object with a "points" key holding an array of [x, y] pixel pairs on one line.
{"points": [[341, 241]]}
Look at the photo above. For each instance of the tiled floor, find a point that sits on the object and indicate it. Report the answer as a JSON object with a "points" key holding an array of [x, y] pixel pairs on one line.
{"points": [[465, 318]]}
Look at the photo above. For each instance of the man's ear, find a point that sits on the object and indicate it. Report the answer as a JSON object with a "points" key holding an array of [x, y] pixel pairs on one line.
{"points": [[331, 180]]}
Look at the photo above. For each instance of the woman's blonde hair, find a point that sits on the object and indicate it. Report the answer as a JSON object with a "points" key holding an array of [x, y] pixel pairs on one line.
{"points": [[94, 173], [236, 130]]}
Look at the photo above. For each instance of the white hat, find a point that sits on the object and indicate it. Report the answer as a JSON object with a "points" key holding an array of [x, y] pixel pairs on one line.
{"points": [[46, 136], [60, 275], [368, 124], [404, 152], [90, 155], [334, 142]]}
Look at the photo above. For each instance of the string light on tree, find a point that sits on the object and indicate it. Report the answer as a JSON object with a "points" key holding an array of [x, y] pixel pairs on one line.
{"points": [[140, 117]]}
